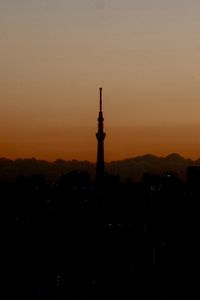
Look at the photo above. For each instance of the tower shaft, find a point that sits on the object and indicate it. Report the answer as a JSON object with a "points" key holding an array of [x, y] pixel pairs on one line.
{"points": [[100, 135]]}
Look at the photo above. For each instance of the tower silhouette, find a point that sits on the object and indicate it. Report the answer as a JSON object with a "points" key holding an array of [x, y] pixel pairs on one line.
{"points": [[100, 135]]}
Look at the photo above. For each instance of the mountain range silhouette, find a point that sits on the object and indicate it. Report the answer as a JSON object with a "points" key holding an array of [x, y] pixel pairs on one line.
{"points": [[128, 168]]}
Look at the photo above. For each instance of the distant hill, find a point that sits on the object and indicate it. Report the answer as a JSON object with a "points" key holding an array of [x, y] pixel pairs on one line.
{"points": [[11, 169], [132, 167], [135, 167]]}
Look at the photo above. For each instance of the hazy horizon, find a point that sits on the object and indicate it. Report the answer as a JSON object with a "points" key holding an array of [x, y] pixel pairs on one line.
{"points": [[55, 55], [94, 161]]}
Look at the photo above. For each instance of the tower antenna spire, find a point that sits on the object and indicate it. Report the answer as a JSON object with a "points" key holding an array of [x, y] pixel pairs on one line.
{"points": [[100, 90]]}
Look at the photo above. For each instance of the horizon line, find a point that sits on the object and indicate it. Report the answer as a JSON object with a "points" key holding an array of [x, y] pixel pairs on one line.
{"points": [[93, 162]]}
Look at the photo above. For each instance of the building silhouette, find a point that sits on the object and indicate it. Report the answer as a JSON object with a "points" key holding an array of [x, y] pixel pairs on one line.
{"points": [[100, 135], [193, 177]]}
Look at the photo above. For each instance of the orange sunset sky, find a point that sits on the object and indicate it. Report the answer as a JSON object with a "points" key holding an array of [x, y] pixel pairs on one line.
{"points": [[54, 56]]}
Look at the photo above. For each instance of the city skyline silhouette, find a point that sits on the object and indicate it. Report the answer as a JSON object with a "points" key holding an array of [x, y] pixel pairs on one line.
{"points": [[133, 167], [78, 233]]}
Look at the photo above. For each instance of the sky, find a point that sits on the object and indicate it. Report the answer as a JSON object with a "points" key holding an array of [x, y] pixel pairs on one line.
{"points": [[54, 56]]}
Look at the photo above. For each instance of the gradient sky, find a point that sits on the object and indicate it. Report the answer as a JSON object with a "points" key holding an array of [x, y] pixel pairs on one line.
{"points": [[55, 54]]}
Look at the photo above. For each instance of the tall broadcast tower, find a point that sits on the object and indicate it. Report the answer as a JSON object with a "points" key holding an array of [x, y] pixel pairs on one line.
{"points": [[100, 135]]}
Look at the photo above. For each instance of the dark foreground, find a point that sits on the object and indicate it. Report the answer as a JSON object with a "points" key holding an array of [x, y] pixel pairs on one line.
{"points": [[71, 240]]}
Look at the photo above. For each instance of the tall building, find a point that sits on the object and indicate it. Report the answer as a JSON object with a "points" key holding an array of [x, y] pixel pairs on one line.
{"points": [[100, 135], [193, 177]]}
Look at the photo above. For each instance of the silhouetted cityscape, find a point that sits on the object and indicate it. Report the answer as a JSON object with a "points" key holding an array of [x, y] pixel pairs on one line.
{"points": [[89, 233]]}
